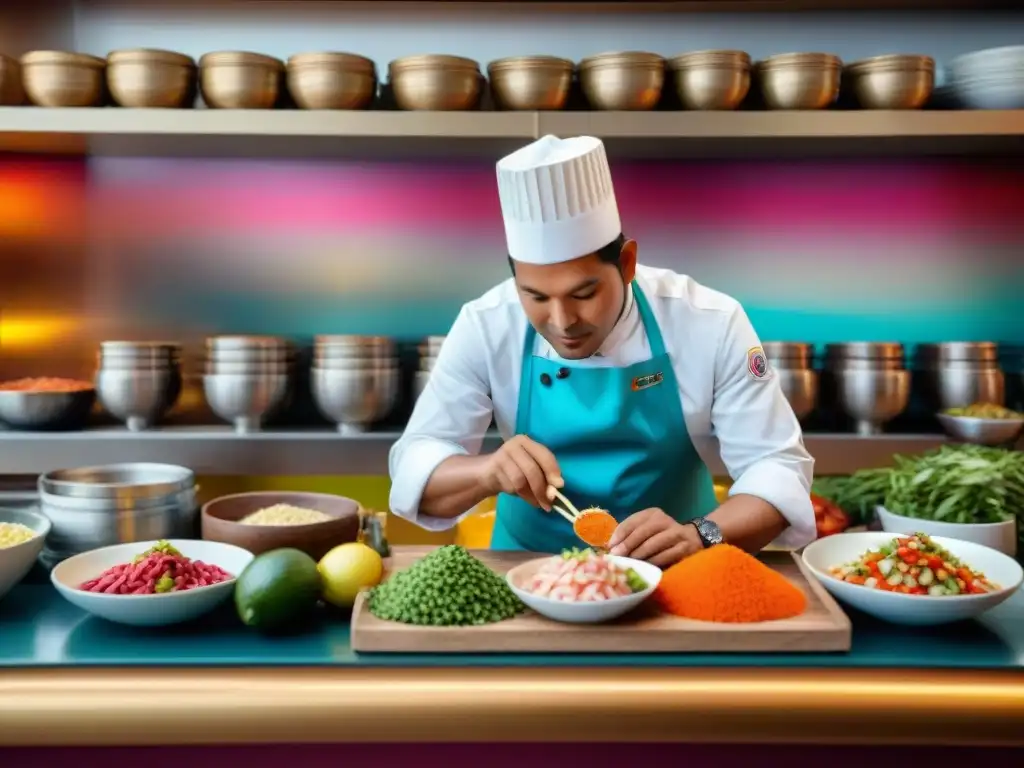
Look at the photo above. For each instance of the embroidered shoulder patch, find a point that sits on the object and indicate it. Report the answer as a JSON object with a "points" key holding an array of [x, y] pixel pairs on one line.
{"points": [[757, 364]]}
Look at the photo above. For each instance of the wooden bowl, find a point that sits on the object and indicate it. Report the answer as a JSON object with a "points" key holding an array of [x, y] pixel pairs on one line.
{"points": [[63, 78], [220, 522]]}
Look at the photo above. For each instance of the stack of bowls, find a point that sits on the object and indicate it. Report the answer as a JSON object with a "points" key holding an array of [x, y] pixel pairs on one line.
{"points": [[958, 374], [354, 380], [435, 82], [428, 352], [630, 80], [331, 80], [530, 82], [989, 79], [240, 80], [800, 80], [138, 382], [793, 365], [711, 80], [63, 78], [247, 379], [94, 507], [143, 77], [868, 381], [891, 82]]}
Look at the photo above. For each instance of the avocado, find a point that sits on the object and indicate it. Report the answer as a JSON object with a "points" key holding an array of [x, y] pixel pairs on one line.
{"points": [[277, 589]]}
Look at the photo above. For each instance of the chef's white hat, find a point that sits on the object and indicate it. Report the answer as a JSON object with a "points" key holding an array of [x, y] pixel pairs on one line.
{"points": [[557, 200]]}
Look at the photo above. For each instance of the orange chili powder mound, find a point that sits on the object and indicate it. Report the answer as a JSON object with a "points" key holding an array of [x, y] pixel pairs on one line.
{"points": [[595, 527], [725, 584]]}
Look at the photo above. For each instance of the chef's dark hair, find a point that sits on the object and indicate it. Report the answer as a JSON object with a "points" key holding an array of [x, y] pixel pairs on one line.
{"points": [[609, 254]]}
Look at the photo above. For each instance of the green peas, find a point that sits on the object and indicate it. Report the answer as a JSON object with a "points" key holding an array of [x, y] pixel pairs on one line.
{"points": [[447, 588]]}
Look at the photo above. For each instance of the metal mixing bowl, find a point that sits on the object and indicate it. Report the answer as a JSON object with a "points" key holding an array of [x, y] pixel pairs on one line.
{"points": [[530, 82], [246, 400], [49, 411], [872, 397], [138, 397], [622, 81], [799, 80], [800, 386], [891, 82], [711, 80], [435, 82], [93, 507], [354, 397], [981, 431]]}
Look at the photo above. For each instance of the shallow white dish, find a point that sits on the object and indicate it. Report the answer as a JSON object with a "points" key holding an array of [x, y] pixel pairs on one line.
{"points": [[17, 561], [914, 610], [149, 610], [584, 613], [1001, 537]]}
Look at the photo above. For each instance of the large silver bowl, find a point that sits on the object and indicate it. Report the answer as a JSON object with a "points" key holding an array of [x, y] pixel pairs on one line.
{"points": [[46, 410], [968, 429], [246, 400], [354, 397]]}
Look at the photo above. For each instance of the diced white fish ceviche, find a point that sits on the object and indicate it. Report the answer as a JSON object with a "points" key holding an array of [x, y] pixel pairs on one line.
{"points": [[583, 576]]}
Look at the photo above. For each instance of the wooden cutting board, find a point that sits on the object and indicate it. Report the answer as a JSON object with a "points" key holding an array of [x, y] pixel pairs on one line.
{"points": [[822, 628]]}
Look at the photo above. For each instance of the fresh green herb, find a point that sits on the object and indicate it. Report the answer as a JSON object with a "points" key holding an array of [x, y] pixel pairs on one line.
{"points": [[449, 587]]}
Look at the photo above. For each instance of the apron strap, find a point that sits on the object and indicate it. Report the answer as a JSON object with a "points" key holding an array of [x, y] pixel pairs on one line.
{"points": [[654, 337]]}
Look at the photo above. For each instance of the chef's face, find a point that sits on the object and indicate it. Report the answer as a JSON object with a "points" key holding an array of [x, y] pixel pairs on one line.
{"points": [[576, 304]]}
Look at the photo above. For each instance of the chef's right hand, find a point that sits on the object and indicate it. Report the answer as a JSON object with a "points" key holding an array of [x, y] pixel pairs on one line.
{"points": [[523, 468]]}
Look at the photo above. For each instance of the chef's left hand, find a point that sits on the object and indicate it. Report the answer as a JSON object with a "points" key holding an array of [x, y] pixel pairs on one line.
{"points": [[653, 536]]}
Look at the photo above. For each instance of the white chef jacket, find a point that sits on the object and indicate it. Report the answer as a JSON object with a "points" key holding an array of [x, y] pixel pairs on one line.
{"points": [[707, 336]]}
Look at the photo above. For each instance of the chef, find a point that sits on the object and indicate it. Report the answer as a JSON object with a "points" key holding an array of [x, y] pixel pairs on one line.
{"points": [[606, 379]]}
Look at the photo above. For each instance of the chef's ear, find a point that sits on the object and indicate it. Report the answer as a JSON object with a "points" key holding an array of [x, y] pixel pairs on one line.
{"points": [[627, 261]]}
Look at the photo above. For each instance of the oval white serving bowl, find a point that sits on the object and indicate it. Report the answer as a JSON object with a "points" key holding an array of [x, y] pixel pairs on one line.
{"points": [[1001, 537], [589, 612], [149, 610], [916, 610]]}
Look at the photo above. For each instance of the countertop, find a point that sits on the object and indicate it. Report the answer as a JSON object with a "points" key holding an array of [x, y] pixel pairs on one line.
{"points": [[73, 679]]}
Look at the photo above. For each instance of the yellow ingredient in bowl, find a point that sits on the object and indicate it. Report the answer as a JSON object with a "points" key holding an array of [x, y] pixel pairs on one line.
{"points": [[285, 514], [13, 534]]}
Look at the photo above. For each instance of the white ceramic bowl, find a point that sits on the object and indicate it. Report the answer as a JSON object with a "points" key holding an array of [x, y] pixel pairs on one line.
{"points": [[914, 610], [584, 613], [1001, 537], [17, 561], [149, 610]]}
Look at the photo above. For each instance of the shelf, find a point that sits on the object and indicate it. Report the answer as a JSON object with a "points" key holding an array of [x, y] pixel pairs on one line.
{"points": [[219, 451], [294, 133]]}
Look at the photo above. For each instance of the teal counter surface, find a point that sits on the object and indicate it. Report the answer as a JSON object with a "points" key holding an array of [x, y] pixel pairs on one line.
{"points": [[38, 628]]}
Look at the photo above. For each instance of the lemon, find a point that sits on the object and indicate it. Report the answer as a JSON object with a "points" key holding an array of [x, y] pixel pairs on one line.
{"points": [[346, 569]]}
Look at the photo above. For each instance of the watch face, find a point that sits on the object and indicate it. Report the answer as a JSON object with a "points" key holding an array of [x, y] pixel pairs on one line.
{"points": [[709, 532]]}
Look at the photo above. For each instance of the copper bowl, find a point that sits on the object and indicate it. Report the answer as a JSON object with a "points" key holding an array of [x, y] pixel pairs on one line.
{"points": [[711, 80], [12, 93], [63, 79], [630, 80], [891, 82], [799, 80], [530, 82], [143, 77], [240, 80], [331, 80], [220, 522], [435, 82]]}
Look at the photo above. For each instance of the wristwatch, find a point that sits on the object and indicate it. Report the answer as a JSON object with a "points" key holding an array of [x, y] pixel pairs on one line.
{"points": [[709, 532]]}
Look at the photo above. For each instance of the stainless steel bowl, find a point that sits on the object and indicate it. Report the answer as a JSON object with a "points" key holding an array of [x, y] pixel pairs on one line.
{"points": [[873, 398], [140, 398], [981, 431], [789, 354], [93, 507], [49, 411], [354, 397], [800, 386], [953, 385], [215, 345], [213, 366], [246, 400], [255, 356], [142, 354]]}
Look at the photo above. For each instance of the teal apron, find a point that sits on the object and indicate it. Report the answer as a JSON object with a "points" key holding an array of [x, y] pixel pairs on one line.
{"points": [[620, 439]]}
